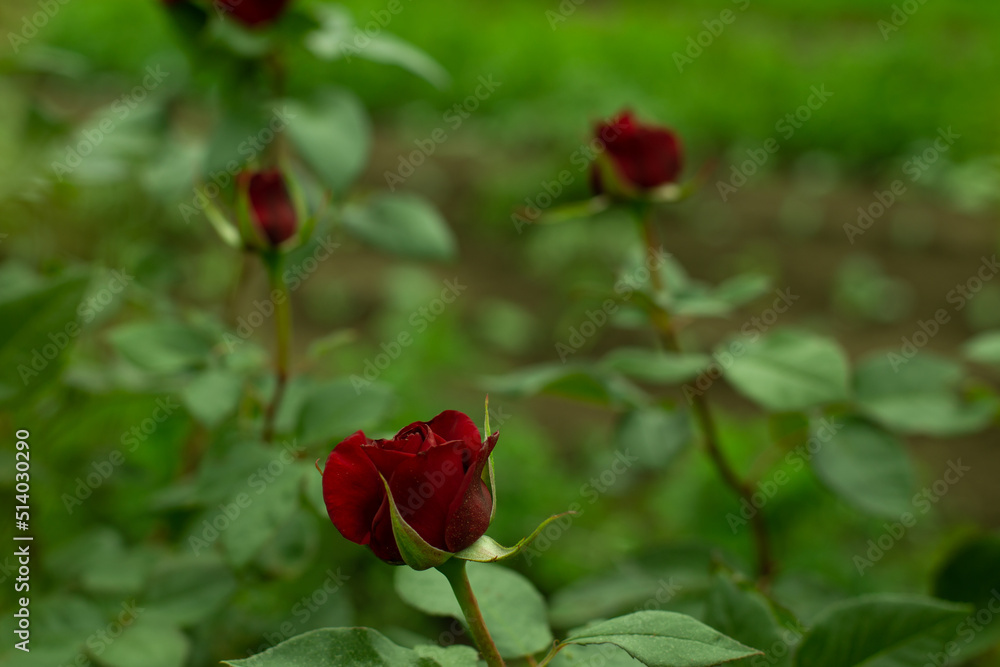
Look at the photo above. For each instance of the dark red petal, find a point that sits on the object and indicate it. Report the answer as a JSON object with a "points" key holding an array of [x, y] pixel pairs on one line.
{"points": [[454, 425], [385, 458], [383, 543], [252, 12], [352, 489], [469, 515], [273, 209], [417, 437], [426, 486]]}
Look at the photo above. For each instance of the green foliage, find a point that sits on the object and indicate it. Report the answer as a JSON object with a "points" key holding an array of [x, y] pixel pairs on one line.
{"points": [[514, 611]]}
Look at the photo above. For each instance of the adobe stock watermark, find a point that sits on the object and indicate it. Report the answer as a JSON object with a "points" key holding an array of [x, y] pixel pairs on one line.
{"points": [[901, 14], [915, 167], [89, 308], [294, 276], [967, 630], [103, 469], [34, 22], [120, 109], [302, 611], [562, 13], [580, 159], [453, 118], [99, 641], [696, 44], [786, 127], [364, 35], [590, 492], [229, 513], [419, 320], [922, 503], [958, 298], [250, 148], [779, 649], [797, 459], [750, 333], [624, 289]]}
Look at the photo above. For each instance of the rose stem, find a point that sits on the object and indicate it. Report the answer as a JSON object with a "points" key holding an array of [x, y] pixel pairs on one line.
{"points": [[706, 421], [454, 570], [283, 331]]}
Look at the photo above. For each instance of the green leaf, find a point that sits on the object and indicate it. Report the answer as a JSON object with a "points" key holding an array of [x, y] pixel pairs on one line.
{"points": [[187, 589], [655, 366], [401, 224], [654, 435], [331, 133], [450, 656], [605, 655], [746, 615], [147, 642], [574, 381], [162, 347], [663, 639], [879, 631], [335, 409], [341, 647], [867, 467], [788, 370], [213, 396], [918, 396], [984, 348], [337, 38], [514, 611], [37, 326], [273, 497]]}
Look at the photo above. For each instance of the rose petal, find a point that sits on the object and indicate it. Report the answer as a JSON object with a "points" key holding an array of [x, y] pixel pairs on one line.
{"points": [[272, 206], [417, 437], [383, 542], [454, 425], [426, 486], [469, 514], [352, 489]]}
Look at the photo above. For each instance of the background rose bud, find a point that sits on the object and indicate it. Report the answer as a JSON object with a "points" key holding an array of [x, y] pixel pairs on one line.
{"points": [[253, 12], [271, 206], [643, 157], [434, 470]]}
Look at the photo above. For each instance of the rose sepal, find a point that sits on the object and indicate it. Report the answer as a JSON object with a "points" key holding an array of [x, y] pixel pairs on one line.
{"points": [[488, 550], [228, 232], [253, 236], [415, 550], [576, 211], [614, 184], [489, 477]]}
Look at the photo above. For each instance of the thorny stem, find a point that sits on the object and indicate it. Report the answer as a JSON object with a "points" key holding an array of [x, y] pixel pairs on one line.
{"points": [[283, 334], [706, 421], [454, 570]]}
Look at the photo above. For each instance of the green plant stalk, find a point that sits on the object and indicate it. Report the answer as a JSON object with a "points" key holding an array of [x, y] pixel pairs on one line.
{"points": [[283, 338], [454, 570], [706, 421]]}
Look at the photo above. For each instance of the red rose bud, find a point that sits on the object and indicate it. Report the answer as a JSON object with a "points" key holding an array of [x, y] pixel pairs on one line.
{"points": [[253, 13], [641, 157], [434, 471], [271, 207]]}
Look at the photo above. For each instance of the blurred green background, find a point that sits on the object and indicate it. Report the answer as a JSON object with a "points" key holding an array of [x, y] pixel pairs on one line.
{"points": [[558, 72]]}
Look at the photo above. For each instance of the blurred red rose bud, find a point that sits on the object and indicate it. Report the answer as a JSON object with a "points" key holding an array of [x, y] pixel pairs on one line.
{"points": [[639, 157], [434, 471], [271, 208], [253, 12]]}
